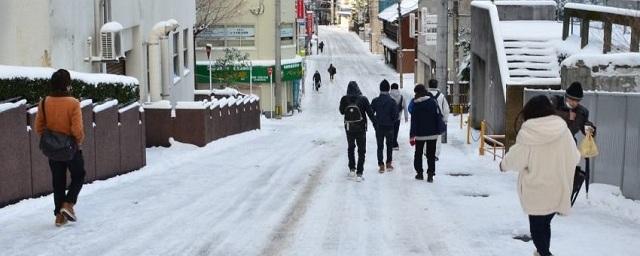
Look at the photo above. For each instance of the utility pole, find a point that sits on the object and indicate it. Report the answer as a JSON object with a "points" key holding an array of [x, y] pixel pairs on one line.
{"points": [[441, 51], [332, 12], [278, 56], [456, 52], [374, 23], [399, 61]]}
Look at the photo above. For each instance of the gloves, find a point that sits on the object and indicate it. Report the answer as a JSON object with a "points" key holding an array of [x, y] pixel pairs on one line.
{"points": [[412, 141], [589, 127]]}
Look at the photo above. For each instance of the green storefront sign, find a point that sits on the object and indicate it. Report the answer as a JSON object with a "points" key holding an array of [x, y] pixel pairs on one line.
{"points": [[239, 74]]}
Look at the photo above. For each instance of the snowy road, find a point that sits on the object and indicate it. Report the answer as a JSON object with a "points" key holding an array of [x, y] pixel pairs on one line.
{"points": [[283, 190]]}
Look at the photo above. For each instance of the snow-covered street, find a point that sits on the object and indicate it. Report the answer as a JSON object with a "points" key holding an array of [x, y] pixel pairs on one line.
{"points": [[284, 190]]}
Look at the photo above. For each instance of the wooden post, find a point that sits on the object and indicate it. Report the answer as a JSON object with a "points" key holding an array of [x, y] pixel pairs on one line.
{"points": [[482, 131], [584, 33], [607, 37], [565, 26], [469, 129], [635, 39]]}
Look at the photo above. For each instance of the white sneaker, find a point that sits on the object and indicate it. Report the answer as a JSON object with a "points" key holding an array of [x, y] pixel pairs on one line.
{"points": [[359, 179], [352, 173]]}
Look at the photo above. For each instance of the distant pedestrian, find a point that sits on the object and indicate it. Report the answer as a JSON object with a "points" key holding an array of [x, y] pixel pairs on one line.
{"points": [[402, 110], [317, 80], [424, 130], [332, 71], [59, 112], [385, 109], [444, 108], [355, 108], [545, 156], [321, 46]]}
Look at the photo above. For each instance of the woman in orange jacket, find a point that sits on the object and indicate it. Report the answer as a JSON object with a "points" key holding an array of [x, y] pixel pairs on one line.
{"points": [[62, 114]]}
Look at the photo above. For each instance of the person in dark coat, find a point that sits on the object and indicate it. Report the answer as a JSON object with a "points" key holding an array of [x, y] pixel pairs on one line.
{"points": [[355, 105], [424, 130], [317, 80], [321, 46], [385, 110], [568, 107], [332, 71]]}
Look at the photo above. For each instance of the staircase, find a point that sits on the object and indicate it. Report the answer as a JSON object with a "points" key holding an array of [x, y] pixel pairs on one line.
{"points": [[532, 62]]}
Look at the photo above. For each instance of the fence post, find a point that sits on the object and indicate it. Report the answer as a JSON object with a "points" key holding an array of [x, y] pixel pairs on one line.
{"points": [[482, 132], [468, 129]]}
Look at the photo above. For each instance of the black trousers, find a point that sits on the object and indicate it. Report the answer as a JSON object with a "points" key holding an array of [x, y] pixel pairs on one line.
{"points": [[359, 140], [59, 178], [540, 228], [384, 136], [431, 156], [396, 129]]}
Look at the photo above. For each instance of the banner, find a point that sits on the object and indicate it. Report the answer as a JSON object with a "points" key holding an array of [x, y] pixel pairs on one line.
{"points": [[240, 74], [300, 9]]}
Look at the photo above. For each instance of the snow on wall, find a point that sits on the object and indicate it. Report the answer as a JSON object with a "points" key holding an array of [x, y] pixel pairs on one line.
{"points": [[527, 3], [127, 108], [591, 60], [225, 92], [12, 72], [106, 105], [163, 104], [85, 103], [499, 42], [531, 30], [111, 27], [391, 13], [603, 9], [9, 106], [258, 63], [193, 105]]}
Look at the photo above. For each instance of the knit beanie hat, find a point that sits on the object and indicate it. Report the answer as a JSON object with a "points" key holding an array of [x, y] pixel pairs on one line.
{"points": [[574, 91], [384, 86]]}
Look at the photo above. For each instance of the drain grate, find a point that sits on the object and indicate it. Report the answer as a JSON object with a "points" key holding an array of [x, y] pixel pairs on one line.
{"points": [[523, 238], [476, 195], [460, 174]]}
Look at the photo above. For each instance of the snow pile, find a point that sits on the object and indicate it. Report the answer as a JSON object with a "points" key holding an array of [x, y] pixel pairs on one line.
{"points": [[223, 102], [8, 106], [111, 27], [389, 43], [13, 72], [193, 105], [33, 110], [85, 103], [527, 3], [603, 9], [391, 13], [592, 60], [259, 63], [202, 92], [225, 92], [163, 104], [215, 103], [104, 106], [499, 42], [534, 30]]}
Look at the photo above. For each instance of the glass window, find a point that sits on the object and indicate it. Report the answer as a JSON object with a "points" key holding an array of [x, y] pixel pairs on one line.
{"points": [[176, 55], [185, 48]]}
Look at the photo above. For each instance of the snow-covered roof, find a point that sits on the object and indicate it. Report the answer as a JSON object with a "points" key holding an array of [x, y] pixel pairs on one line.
{"points": [[11, 72], [604, 9], [526, 2], [391, 13], [389, 43], [591, 60], [8, 106]]}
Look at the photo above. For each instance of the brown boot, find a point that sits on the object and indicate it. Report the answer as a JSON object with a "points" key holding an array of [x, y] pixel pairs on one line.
{"points": [[67, 211], [389, 167], [60, 220], [381, 170]]}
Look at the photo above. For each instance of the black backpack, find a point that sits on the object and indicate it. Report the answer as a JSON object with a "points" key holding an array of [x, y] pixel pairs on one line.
{"points": [[54, 145], [353, 118]]}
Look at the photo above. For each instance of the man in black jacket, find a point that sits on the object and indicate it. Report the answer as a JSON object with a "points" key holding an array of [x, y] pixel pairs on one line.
{"points": [[385, 110], [317, 80], [355, 107]]}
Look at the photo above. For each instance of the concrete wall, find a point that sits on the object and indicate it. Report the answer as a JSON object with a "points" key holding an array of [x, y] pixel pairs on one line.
{"points": [[609, 78], [487, 97], [25, 43], [526, 12], [15, 174]]}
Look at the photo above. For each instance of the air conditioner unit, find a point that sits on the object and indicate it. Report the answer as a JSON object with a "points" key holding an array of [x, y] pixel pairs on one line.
{"points": [[111, 42]]}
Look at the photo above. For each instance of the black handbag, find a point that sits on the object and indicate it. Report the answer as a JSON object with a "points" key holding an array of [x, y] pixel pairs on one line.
{"points": [[54, 145]]}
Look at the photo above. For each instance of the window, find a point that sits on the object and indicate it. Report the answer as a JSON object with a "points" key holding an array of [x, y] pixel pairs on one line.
{"points": [[176, 55], [286, 33], [185, 50]]}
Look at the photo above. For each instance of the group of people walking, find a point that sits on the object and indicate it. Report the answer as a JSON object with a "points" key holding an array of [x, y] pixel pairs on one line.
{"points": [[428, 122]]}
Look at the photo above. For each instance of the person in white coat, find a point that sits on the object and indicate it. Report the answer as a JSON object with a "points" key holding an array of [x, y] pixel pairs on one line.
{"points": [[444, 108], [545, 155]]}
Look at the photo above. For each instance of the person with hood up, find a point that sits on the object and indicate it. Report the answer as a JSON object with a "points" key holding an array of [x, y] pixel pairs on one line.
{"points": [[385, 110], [424, 130], [545, 155], [316, 80], [332, 71], [321, 46], [355, 108], [444, 108], [402, 110]]}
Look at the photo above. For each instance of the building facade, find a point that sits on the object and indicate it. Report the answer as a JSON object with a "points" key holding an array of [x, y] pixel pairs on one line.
{"points": [[253, 32], [394, 44], [67, 34]]}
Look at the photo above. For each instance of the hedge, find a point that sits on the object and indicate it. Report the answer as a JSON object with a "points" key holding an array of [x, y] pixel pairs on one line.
{"points": [[34, 89]]}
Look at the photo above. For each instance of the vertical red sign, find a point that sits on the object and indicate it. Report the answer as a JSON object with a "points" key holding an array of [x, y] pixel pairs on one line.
{"points": [[309, 23], [300, 9]]}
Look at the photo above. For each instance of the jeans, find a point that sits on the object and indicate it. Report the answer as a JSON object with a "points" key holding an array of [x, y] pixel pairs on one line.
{"points": [[359, 140], [384, 133], [396, 129], [431, 156], [540, 227], [59, 178]]}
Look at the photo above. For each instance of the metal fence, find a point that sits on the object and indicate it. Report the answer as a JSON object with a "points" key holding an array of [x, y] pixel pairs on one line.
{"points": [[618, 137]]}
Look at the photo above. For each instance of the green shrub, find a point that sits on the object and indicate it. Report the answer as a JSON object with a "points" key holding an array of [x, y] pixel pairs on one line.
{"points": [[34, 89]]}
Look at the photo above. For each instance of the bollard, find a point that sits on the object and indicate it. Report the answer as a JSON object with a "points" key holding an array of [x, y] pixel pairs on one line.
{"points": [[469, 129]]}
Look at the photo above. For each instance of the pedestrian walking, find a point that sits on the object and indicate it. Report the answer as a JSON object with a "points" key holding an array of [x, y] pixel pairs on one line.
{"points": [[332, 71], [317, 80], [426, 122], [321, 46], [355, 108], [402, 110], [385, 110], [577, 118], [444, 108], [545, 156], [59, 114]]}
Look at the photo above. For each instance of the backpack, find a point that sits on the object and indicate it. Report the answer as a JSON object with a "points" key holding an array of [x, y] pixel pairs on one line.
{"points": [[353, 118], [441, 125]]}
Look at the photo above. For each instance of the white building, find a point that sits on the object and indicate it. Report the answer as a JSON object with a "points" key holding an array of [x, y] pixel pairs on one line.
{"points": [[63, 33]]}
